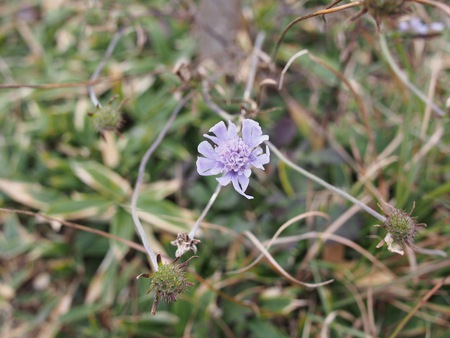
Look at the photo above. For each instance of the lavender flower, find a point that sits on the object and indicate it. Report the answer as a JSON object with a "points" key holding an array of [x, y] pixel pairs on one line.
{"points": [[416, 26], [232, 155]]}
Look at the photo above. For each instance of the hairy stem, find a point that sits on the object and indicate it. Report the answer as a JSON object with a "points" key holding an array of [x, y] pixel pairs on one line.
{"points": [[140, 179], [204, 212], [433, 3], [325, 184], [321, 12], [219, 111], [396, 69], [254, 64], [112, 45]]}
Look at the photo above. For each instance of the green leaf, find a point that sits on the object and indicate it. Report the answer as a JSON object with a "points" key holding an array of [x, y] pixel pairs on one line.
{"points": [[159, 190], [264, 329], [276, 304], [30, 194], [438, 192], [123, 227], [161, 215], [79, 209], [14, 239], [80, 312], [102, 179], [102, 286], [146, 323]]}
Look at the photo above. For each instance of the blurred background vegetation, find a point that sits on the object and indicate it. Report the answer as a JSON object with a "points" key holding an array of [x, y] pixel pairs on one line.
{"points": [[58, 281]]}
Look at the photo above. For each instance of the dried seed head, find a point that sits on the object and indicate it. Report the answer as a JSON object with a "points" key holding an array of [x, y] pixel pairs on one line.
{"points": [[385, 8], [190, 74], [168, 282], [401, 229], [184, 244]]}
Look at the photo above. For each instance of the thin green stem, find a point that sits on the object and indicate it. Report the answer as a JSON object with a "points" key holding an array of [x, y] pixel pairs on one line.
{"points": [[325, 184]]}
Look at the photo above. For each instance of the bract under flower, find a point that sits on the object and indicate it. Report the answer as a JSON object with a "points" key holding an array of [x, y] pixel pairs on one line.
{"points": [[232, 155], [392, 245]]}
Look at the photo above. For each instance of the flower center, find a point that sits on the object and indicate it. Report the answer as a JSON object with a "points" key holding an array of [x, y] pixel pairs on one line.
{"points": [[234, 155]]}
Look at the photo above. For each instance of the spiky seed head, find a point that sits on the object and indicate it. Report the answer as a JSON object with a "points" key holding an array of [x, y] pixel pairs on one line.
{"points": [[108, 117], [401, 228], [169, 282]]}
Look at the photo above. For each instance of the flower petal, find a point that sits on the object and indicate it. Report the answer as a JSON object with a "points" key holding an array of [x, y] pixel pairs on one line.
{"points": [[252, 133], [220, 132], [225, 179], [392, 245], [205, 148], [260, 158], [232, 131], [234, 155], [395, 247], [240, 184], [207, 167]]}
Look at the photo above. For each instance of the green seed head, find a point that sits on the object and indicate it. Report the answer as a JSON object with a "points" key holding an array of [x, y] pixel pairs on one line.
{"points": [[169, 282], [401, 226], [107, 118]]}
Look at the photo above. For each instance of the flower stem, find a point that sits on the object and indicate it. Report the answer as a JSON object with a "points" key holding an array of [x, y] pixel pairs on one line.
{"points": [[395, 68], [219, 111], [254, 63], [321, 12], [325, 184], [112, 45], [431, 252], [140, 179], [204, 212]]}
